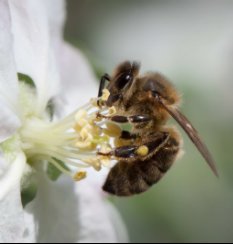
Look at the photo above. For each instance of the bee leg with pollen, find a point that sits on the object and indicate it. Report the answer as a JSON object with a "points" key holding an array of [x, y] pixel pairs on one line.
{"points": [[101, 92], [104, 78], [141, 151]]}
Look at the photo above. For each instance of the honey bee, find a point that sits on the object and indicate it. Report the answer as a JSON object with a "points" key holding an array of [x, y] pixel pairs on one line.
{"points": [[146, 102]]}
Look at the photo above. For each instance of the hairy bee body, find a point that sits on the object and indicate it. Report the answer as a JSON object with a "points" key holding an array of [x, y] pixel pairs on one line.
{"points": [[149, 149]]}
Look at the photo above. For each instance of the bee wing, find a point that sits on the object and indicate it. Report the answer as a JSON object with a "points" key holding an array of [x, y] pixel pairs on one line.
{"points": [[193, 135]]}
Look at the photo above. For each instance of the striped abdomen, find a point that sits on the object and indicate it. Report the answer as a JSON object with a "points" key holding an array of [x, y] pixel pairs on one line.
{"points": [[129, 178]]}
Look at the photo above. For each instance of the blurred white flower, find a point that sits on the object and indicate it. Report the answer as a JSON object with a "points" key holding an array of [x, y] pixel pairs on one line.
{"points": [[31, 45]]}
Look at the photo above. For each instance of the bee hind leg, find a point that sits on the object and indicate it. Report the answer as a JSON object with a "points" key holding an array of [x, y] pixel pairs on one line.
{"points": [[138, 152]]}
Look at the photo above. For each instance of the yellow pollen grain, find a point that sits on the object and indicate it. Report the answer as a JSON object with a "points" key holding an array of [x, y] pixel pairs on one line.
{"points": [[112, 111], [143, 151], [106, 95], [80, 175]]}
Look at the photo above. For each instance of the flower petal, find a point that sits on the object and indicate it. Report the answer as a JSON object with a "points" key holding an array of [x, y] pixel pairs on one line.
{"points": [[8, 74], [77, 77], [55, 210], [9, 122], [11, 173], [119, 226], [63, 216], [15, 225], [99, 221], [34, 44]]}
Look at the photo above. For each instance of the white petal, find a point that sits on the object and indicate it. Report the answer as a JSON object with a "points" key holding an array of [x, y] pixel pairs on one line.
{"points": [[119, 226], [11, 175], [9, 122], [55, 210], [63, 216], [35, 43], [15, 225], [99, 222], [78, 79], [8, 75]]}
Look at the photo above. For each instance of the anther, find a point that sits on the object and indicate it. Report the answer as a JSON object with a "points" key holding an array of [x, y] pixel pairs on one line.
{"points": [[80, 175]]}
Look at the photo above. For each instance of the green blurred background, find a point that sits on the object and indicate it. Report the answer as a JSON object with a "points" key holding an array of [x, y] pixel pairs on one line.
{"points": [[191, 42]]}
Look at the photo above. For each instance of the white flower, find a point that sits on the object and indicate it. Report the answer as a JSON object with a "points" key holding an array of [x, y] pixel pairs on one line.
{"points": [[31, 44]]}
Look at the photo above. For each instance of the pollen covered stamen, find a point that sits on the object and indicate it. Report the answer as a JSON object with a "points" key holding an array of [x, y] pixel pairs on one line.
{"points": [[75, 140]]}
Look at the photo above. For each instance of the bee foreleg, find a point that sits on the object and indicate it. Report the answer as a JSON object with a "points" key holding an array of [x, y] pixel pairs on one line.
{"points": [[103, 80]]}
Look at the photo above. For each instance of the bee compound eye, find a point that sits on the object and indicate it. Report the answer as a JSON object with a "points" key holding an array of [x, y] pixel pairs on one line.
{"points": [[123, 80]]}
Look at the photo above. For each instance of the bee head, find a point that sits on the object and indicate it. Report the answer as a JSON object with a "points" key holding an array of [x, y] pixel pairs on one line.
{"points": [[121, 80]]}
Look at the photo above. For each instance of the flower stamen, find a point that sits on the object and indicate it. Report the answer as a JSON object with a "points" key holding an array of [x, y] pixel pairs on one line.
{"points": [[80, 175], [82, 139], [75, 140]]}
